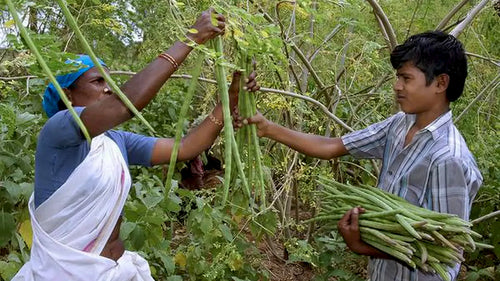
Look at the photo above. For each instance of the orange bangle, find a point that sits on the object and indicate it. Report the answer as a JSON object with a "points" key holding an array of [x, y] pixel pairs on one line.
{"points": [[170, 59], [214, 120]]}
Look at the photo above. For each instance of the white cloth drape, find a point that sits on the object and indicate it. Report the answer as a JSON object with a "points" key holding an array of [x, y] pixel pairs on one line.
{"points": [[71, 228]]}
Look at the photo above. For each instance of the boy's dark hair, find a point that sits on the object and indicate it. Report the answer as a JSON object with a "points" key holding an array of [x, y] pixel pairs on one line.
{"points": [[434, 53]]}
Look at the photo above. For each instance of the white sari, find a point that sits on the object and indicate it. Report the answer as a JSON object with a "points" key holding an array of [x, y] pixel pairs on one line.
{"points": [[71, 228]]}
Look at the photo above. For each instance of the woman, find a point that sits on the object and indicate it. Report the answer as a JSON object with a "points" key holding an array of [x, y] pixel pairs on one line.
{"points": [[80, 189]]}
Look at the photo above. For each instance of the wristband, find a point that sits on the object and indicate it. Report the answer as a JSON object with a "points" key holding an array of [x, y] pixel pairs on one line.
{"points": [[214, 120]]}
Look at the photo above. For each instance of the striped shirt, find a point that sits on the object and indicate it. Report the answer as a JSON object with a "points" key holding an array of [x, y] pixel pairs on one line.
{"points": [[435, 170]]}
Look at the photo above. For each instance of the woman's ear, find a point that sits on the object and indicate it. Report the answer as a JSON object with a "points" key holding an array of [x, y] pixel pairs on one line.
{"points": [[442, 82], [68, 93]]}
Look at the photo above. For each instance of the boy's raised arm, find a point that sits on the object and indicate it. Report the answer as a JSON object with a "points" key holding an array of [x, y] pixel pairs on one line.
{"points": [[308, 144]]}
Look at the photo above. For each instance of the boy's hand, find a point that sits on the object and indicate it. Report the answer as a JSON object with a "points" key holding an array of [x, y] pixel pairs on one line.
{"points": [[205, 29], [348, 226], [262, 123]]}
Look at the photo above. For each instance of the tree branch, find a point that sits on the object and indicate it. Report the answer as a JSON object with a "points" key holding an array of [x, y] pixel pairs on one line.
{"points": [[327, 38], [386, 24], [344, 54], [382, 29], [283, 38], [210, 81], [17, 77], [448, 17], [73, 33], [417, 6], [470, 16], [308, 65], [493, 61], [311, 100], [486, 89], [296, 50]]}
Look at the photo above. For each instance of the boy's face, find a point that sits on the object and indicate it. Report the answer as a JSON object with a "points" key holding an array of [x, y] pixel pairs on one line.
{"points": [[412, 93]]}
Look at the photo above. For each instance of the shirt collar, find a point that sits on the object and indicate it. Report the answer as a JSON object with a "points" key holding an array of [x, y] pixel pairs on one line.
{"points": [[441, 123], [436, 127]]}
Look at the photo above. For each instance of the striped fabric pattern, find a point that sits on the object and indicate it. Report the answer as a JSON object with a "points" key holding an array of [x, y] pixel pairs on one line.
{"points": [[435, 170]]}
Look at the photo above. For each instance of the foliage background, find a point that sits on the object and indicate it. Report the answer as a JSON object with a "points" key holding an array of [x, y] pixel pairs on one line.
{"points": [[188, 236]]}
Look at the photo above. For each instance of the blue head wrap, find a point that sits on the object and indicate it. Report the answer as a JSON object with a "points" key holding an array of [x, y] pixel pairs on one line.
{"points": [[51, 96]]}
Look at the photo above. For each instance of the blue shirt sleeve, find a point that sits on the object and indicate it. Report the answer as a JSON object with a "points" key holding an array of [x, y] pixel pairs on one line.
{"points": [[139, 148], [62, 130], [370, 142]]}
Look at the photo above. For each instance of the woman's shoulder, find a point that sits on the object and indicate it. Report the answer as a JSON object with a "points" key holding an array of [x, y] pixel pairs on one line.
{"points": [[62, 129]]}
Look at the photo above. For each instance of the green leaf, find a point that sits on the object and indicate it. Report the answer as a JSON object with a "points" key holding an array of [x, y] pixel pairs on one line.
{"points": [[156, 219], [181, 259], [200, 203], [226, 232], [126, 228], [495, 238], [174, 278], [8, 269], [265, 223], [26, 232], [488, 272], [472, 276], [7, 227], [17, 190], [168, 262], [138, 237], [185, 193], [151, 200], [9, 23], [173, 203], [341, 273], [206, 225]]}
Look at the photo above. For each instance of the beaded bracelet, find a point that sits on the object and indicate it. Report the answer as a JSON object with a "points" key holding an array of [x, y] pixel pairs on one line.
{"points": [[170, 59], [214, 120]]}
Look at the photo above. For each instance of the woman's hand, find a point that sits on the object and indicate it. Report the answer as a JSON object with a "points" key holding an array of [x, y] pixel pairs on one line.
{"points": [[205, 29], [234, 89]]}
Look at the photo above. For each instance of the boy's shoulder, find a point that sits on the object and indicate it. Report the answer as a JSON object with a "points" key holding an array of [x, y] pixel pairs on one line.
{"points": [[451, 146]]}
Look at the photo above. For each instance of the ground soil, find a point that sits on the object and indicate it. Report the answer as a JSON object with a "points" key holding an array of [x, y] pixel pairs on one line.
{"points": [[280, 269]]}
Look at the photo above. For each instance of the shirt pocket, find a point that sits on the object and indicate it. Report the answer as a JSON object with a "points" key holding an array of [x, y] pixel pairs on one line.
{"points": [[415, 183]]}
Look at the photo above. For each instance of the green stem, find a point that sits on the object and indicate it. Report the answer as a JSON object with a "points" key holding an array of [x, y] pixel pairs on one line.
{"points": [[255, 142], [180, 124], [41, 61], [228, 126], [239, 166]]}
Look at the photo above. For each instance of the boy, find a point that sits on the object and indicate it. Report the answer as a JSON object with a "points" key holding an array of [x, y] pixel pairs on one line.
{"points": [[424, 158]]}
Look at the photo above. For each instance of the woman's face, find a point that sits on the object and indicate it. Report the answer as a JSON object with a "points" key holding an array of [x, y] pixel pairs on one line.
{"points": [[88, 88]]}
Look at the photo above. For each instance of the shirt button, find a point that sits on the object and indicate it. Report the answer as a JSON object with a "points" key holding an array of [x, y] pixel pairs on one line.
{"points": [[390, 173]]}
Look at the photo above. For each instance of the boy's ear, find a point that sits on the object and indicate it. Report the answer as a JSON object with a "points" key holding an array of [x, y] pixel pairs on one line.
{"points": [[442, 82]]}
